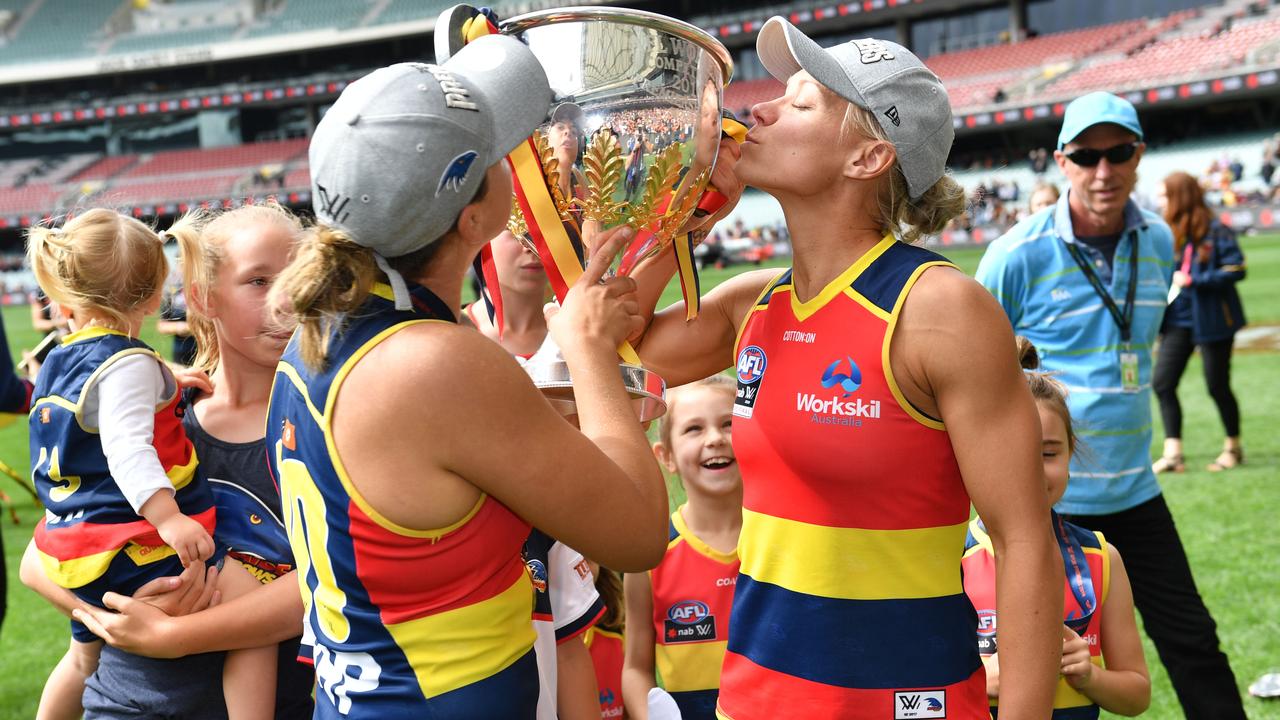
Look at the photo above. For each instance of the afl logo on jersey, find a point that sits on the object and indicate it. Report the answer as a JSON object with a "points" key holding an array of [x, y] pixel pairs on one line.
{"points": [[750, 371], [688, 612], [751, 364], [688, 621], [537, 574], [986, 623]]}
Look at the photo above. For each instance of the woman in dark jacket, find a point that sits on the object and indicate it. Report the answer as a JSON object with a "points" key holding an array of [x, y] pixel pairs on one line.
{"points": [[1204, 311]]}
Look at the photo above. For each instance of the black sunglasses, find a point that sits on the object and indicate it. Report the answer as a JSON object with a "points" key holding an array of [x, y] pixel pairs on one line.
{"points": [[1116, 154]]}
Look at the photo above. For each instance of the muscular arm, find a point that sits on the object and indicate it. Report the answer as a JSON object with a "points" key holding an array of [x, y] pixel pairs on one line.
{"points": [[682, 351], [637, 667], [956, 347]]}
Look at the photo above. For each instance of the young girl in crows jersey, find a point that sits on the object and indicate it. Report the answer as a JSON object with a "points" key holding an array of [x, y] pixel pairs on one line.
{"points": [[1099, 619], [111, 461], [680, 609]]}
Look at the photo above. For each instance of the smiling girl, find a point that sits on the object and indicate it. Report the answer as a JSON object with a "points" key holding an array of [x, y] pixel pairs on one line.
{"points": [[680, 609]]}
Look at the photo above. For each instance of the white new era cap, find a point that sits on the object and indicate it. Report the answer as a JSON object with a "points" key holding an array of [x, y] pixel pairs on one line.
{"points": [[881, 77], [405, 148]]}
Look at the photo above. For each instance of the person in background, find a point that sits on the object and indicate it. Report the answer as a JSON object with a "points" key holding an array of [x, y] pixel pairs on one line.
{"points": [[15, 400], [680, 610], [1087, 284], [173, 320], [1102, 661], [1205, 313], [1045, 195]]}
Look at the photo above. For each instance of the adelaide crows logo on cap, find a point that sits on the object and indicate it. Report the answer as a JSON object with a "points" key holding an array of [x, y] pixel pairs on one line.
{"points": [[456, 174]]}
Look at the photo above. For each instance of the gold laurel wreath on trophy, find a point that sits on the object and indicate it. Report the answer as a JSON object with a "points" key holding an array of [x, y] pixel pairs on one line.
{"points": [[663, 174], [603, 167], [551, 170], [516, 224]]}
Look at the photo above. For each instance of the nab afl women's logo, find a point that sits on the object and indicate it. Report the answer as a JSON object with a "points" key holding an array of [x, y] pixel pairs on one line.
{"points": [[751, 364]]}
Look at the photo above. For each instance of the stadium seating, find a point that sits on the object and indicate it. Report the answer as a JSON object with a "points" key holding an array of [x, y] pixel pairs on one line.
{"points": [[1174, 58], [59, 29], [239, 156]]}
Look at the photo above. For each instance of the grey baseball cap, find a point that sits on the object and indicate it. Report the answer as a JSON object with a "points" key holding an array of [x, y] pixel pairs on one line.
{"points": [[405, 148], [881, 77]]}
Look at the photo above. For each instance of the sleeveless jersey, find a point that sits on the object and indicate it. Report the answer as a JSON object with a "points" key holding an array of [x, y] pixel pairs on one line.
{"points": [[90, 538], [606, 648], [407, 623], [1088, 578], [692, 599], [850, 602]]}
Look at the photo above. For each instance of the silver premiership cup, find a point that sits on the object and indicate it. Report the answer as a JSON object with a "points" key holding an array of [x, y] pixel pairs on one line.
{"points": [[630, 139], [635, 124]]}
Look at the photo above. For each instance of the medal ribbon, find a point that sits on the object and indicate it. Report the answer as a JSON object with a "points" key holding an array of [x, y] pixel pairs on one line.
{"points": [[1079, 577]]}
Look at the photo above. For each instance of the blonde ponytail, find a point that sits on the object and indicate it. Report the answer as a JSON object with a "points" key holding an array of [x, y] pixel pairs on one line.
{"points": [[330, 276], [101, 263]]}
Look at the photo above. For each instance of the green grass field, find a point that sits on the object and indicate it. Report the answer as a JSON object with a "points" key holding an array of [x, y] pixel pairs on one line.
{"points": [[1226, 520]]}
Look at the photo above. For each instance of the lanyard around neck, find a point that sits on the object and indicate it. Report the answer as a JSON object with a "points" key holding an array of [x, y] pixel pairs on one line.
{"points": [[1124, 319]]}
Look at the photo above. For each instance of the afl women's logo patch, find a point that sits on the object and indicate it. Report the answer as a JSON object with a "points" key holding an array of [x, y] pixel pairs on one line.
{"points": [[750, 371], [688, 621], [751, 364]]}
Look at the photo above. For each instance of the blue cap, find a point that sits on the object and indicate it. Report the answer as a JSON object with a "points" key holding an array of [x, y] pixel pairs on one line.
{"points": [[1094, 109]]}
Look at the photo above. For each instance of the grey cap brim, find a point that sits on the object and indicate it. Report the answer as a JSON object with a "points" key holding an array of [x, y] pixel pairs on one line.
{"points": [[785, 51], [513, 83]]}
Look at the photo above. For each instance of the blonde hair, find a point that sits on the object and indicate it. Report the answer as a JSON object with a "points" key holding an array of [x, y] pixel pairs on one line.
{"points": [[909, 220], [1045, 389], [202, 237], [723, 382], [329, 277], [99, 262]]}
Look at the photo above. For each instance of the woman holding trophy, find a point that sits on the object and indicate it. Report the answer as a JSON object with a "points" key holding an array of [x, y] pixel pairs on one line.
{"points": [[874, 401], [406, 522]]}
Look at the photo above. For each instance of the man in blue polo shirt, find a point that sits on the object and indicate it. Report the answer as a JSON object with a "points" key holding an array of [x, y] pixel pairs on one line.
{"points": [[1087, 282]]}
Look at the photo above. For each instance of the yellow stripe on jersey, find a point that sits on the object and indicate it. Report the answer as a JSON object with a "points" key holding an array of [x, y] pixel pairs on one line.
{"points": [[802, 310], [182, 475], [76, 572], [903, 402], [690, 666], [1106, 569], [88, 332], [852, 563], [455, 648], [867, 305], [695, 543], [755, 306], [300, 385], [326, 424]]}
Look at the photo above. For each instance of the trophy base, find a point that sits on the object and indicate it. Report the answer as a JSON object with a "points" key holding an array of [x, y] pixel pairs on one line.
{"points": [[646, 388]]}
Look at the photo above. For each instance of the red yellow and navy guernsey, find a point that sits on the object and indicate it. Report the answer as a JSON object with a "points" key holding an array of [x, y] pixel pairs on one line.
{"points": [[407, 623], [90, 539], [849, 603], [692, 599], [1088, 578], [606, 648]]}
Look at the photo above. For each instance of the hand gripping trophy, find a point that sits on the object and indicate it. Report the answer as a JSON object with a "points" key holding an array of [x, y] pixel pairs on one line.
{"points": [[630, 140]]}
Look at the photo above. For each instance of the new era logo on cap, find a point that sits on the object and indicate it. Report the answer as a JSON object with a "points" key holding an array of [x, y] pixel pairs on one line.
{"points": [[872, 51]]}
